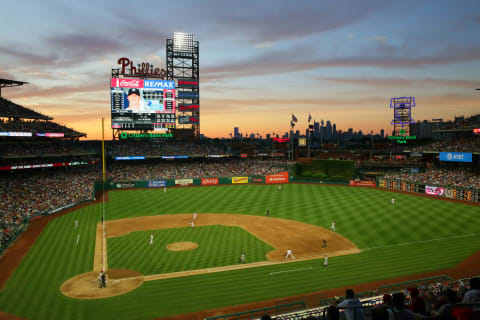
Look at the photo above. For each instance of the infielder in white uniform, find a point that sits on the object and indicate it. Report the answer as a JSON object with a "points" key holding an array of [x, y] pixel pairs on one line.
{"points": [[193, 219], [325, 261], [151, 238], [333, 226], [289, 253]]}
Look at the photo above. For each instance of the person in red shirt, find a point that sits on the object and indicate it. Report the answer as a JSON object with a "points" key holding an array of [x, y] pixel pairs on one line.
{"points": [[417, 304]]}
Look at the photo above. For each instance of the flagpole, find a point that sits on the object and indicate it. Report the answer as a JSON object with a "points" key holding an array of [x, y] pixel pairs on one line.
{"points": [[309, 134]]}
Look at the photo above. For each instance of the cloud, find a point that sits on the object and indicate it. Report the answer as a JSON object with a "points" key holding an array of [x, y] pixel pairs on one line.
{"points": [[351, 35], [380, 39], [280, 62], [396, 82], [29, 58]]}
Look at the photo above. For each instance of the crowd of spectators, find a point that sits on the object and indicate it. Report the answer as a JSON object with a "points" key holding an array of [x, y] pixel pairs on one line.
{"points": [[24, 194], [37, 126], [441, 177], [458, 144], [165, 148], [54, 147], [121, 171]]}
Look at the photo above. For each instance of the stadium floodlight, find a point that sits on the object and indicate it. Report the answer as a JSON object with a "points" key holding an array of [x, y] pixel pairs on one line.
{"points": [[182, 42]]}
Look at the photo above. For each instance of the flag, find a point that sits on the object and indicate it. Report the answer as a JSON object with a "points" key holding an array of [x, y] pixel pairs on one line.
{"points": [[309, 117], [294, 119]]}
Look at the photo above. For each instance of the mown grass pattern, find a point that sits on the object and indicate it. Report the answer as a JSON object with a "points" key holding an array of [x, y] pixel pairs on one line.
{"points": [[365, 216], [217, 246]]}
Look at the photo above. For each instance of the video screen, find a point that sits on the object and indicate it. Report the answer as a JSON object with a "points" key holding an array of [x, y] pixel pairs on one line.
{"points": [[142, 104], [436, 191]]}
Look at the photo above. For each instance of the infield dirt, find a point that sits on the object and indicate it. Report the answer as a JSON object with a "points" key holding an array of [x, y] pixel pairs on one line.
{"points": [[305, 241]]}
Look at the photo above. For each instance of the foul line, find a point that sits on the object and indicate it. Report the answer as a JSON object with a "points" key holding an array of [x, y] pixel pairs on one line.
{"points": [[272, 273], [422, 241]]}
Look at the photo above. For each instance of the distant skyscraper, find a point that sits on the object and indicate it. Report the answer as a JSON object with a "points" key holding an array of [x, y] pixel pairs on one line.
{"points": [[382, 133], [316, 128], [236, 133]]}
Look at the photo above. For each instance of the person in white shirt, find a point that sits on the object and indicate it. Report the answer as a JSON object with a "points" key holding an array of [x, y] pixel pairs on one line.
{"points": [[289, 254]]}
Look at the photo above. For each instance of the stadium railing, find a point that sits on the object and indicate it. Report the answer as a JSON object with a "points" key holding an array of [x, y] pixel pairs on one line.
{"points": [[257, 313]]}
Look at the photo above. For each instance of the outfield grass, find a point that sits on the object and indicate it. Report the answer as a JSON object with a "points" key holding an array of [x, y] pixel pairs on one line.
{"points": [[415, 235]]}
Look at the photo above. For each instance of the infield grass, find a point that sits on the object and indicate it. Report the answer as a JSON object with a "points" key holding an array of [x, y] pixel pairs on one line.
{"points": [[415, 235]]}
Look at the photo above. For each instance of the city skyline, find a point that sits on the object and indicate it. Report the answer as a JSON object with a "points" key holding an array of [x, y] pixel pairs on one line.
{"points": [[259, 62]]}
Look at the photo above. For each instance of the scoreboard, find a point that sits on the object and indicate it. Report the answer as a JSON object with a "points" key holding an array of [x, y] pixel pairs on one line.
{"points": [[139, 104]]}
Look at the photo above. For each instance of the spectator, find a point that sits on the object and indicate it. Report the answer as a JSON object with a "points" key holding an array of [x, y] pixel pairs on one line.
{"points": [[399, 310], [473, 295], [353, 307], [417, 304]]}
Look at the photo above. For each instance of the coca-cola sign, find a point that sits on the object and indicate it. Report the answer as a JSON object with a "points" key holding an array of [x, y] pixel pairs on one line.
{"points": [[143, 69], [126, 83]]}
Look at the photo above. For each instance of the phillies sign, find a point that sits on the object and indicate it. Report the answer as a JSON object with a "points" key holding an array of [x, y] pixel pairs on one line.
{"points": [[144, 69]]}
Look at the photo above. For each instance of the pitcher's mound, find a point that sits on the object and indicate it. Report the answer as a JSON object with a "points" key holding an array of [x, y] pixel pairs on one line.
{"points": [[85, 285], [182, 246]]}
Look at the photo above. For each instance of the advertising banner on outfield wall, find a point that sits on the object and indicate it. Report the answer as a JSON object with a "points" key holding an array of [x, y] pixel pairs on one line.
{"points": [[449, 193], [125, 185], [209, 181], [256, 179], [281, 177], [363, 183], [236, 180], [157, 183], [436, 191], [183, 181], [381, 183]]}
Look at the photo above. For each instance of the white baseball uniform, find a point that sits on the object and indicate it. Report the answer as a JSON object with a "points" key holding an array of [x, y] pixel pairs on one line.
{"points": [[393, 201], [289, 253], [151, 239], [325, 261], [76, 224], [333, 226]]}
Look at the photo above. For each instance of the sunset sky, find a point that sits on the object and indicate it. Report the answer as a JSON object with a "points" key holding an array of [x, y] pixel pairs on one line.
{"points": [[260, 61]]}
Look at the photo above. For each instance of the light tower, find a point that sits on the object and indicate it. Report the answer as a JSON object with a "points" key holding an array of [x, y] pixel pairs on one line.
{"points": [[183, 67], [402, 115]]}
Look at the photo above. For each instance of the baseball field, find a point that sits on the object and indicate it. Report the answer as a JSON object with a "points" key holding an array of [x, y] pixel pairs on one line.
{"points": [[158, 265]]}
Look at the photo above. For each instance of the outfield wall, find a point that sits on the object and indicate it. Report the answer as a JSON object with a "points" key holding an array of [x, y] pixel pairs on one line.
{"points": [[445, 191]]}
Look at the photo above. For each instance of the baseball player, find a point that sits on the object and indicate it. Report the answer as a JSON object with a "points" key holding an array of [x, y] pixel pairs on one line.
{"points": [[193, 220], [151, 238], [324, 244], [289, 253], [325, 261], [164, 189], [393, 201], [268, 213], [279, 188], [99, 280], [243, 258], [333, 226], [76, 224]]}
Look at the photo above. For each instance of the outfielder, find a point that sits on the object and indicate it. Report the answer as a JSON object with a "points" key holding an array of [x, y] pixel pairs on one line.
{"points": [[151, 238], [325, 261], [76, 224], [393, 200], [289, 253], [333, 226], [164, 189]]}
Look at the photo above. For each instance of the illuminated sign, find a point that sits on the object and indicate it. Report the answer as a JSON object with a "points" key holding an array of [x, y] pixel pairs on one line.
{"points": [[187, 119], [157, 183], [476, 130], [139, 104], [280, 140], [51, 135], [402, 139], [15, 134], [281, 177], [125, 135], [48, 165], [130, 158], [456, 156], [188, 107], [142, 69], [436, 191], [243, 155], [187, 83]]}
